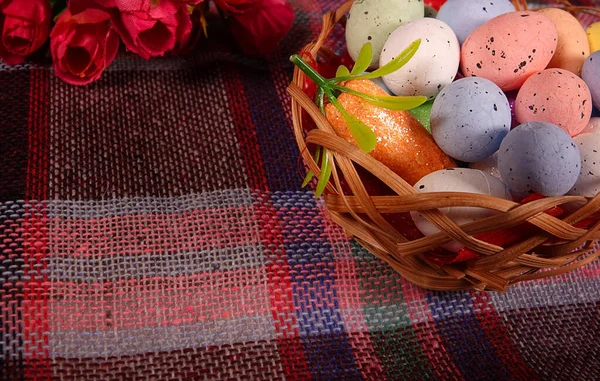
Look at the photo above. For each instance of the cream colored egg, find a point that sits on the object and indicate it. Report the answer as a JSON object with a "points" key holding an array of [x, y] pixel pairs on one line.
{"points": [[458, 180], [572, 47], [374, 20]]}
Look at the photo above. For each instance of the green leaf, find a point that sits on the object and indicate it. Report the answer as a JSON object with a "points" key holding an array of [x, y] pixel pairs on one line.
{"points": [[363, 60], [342, 71], [310, 174], [398, 102], [423, 114], [362, 134], [325, 174], [394, 64]]}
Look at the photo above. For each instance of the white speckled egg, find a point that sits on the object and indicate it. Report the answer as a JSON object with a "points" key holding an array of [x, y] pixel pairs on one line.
{"points": [[374, 20], [458, 180], [489, 165], [464, 16], [588, 182], [432, 67], [592, 127], [539, 157]]}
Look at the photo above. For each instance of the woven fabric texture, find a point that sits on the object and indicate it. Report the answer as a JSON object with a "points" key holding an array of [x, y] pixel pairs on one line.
{"points": [[152, 226]]}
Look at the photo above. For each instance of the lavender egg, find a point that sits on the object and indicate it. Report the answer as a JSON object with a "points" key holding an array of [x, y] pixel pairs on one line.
{"points": [[469, 119], [464, 16], [590, 73], [539, 157]]}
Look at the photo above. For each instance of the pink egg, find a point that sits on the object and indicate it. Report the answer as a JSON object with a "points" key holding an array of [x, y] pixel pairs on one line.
{"points": [[555, 96], [509, 48]]}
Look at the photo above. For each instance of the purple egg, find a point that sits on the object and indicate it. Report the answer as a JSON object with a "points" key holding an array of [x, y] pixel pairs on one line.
{"points": [[512, 98], [590, 73], [539, 157]]}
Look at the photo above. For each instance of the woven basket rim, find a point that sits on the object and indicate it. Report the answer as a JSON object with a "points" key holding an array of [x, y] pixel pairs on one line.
{"points": [[360, 214]]}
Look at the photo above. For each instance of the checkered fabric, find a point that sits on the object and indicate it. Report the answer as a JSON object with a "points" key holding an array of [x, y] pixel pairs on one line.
{"points": [[152, 226]]}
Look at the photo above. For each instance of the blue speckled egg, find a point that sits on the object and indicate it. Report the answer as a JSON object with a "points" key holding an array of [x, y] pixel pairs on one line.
{"points": [[464, 16], [539, 157], [469, 119], [590, 73]]}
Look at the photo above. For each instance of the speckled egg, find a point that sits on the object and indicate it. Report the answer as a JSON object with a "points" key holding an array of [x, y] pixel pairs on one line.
{"points": [[591, 75], [539, 157], [458, 180], [555, 96], [470, 118], [509, 48], [593, 35], [433, 66], [572, 46], [374, 20], [592, 127], [464, 16], [588, 182]]}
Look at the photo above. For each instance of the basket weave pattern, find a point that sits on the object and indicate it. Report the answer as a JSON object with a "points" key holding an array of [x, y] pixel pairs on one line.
{"points": [[361, 215]]}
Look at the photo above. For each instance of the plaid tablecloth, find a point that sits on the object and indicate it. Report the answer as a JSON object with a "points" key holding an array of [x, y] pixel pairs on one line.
{"points": [[152, 226]]}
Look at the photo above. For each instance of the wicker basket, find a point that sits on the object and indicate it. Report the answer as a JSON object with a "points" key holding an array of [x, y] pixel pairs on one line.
{"points": [[556, 247]]}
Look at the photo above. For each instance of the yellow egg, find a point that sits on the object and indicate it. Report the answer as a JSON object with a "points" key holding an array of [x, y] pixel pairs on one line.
{"points": [[593, 35], [572, 48]]}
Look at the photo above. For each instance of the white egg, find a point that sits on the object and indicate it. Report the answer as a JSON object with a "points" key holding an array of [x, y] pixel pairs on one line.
{"points": [[489, 166], [374, 20], [432, 67], [588, 182], [458, 180], [593, 126]]}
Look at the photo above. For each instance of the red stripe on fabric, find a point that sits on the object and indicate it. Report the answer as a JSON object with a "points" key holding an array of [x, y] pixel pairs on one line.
{"points": [[36, 293], [153, 233], [160, 301], [497, 335], [38, 161], [293, 357], [244, 128], [36, 288], [431, 343]]}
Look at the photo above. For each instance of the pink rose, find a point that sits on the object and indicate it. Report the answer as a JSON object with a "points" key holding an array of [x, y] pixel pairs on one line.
{"points": [[259, 29], [82, 46], [152, 31], [24, 25]]}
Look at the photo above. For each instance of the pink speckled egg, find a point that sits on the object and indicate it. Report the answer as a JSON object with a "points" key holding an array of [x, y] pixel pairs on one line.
{"points": [[555, 96], [509, 48]]}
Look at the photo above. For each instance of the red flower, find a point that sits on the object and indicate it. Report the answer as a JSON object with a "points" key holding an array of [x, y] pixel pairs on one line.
{"points": [[82, 46], [236, 6], [151, 31], [259, 30], [78, 6], [24, 25]]}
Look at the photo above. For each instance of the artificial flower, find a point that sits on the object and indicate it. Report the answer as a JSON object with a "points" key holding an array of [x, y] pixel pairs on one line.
{"points": [[24, 25], [151, 30], [83, 46]]}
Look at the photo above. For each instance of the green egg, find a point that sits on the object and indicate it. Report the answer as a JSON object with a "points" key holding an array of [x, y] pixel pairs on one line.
{"points": [[422, 114]]}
